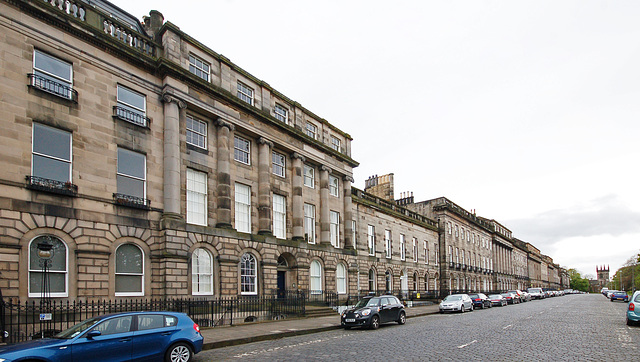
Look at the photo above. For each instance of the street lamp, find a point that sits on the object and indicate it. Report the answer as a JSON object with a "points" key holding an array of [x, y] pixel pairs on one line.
{"points": [[45, 253]]}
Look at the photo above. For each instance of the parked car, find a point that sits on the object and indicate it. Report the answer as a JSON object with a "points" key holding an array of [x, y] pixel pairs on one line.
{"points": [[604, 291], [497, 299], [609, 293], [149, 336], [511, 298], [623, 296], [456, 303], [633, 310], [371, 311], [536, 293], [480, 300], [520, 294]]}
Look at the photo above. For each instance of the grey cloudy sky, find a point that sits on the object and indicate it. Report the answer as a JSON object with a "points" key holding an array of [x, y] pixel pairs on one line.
{"points": [[526, 111]]}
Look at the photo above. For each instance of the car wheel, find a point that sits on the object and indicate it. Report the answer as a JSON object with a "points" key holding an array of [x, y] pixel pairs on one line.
{"points": [[403, 318], [629, 322], [482, 305], [375, 322], [611, 299], [472, 308], [462, 308], [179, 352]]}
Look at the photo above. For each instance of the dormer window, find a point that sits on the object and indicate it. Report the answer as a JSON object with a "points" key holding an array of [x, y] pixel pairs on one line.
{"points": [[245, 93], [281, 113], [312, 130], [199, 67]]}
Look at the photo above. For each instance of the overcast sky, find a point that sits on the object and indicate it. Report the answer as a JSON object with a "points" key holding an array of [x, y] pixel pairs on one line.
{"points": [[526, 111]]}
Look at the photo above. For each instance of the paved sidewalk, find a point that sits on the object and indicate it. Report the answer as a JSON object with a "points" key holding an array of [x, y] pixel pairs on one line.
{"points": [[246, 333]]}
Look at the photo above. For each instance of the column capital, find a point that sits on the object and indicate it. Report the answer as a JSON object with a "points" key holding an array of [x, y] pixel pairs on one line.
{"points": [[168, 97], [264, 141], [347, 179], [222, 123], [298, 156], [325, 168]]}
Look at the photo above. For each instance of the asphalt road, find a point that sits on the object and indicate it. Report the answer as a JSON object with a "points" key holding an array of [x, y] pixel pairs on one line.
{"points": [[573, 327]]}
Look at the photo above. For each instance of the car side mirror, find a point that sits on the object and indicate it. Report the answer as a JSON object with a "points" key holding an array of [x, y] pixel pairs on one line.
{"points": [[93, 333]]}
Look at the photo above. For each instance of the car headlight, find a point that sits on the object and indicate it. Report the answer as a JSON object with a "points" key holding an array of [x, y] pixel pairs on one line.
{"points": [[366, 312]]}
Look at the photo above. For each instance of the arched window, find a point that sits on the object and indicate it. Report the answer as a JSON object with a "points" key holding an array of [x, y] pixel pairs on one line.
{"points": [[248, 275], [201, 272], [372, 280], [316, 277], [341, 278], [129, 270], [56, 263]]}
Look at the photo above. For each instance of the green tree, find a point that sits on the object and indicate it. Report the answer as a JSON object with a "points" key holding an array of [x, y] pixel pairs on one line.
{"points": [[576, 281]]}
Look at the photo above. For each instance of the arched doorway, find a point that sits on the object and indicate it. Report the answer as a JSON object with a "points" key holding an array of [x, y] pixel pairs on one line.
{"points": [[286, 277]]}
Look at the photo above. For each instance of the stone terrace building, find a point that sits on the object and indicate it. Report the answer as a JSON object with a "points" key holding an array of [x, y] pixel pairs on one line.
{"points": [[156, 167]]}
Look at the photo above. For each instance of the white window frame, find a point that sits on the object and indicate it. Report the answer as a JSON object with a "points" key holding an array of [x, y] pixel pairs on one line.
{"points": [[243, 207], [341, 279], [334, 186], [199, 67], [334, 228], [415, 250], [198, 271], [353, 233], [69, 162], [387, 243], [278, 168], [196, 197], [311, 130], [279, 216], [143, 179], [39, 270], [141, 275], [436, 252], [371, 239], [241, 153], [142, 112], [315, 277], [310, 222], [48, 74], [281, 113], [403, 249], [335, 143], [309, 175], [245, 93], [250, 279], [425, 247], [196, 131]]}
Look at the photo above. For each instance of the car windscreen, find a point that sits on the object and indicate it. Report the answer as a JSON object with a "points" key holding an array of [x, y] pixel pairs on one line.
{"points": [[368, 302], [77, 329], [452, 298], [495, 296]]}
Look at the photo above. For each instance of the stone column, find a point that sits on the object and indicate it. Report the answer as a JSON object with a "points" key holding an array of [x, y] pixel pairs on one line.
{"points": [[298, 205], [264, 186], [325, 217], [172, 106], [348, 214], [224, 176]]}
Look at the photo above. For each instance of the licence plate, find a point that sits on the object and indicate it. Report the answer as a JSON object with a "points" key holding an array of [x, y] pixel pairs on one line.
{"points": [[350, 320]]}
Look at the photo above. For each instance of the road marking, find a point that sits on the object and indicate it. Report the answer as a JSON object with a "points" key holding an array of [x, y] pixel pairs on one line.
{"points": [[470, 343], [509, 326]]}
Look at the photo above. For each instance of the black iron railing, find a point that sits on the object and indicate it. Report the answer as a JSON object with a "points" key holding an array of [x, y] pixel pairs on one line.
{"points": [[50, 86], [21, 321], [132, 201], [53, 186], [137, 118]]}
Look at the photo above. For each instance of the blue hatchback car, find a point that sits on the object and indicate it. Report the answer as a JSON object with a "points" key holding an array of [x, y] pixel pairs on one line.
{"points": [[633, 310], [139, 336]]}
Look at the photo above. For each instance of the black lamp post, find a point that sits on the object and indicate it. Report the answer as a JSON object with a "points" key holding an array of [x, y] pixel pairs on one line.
{"points": [[45, 253]]}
